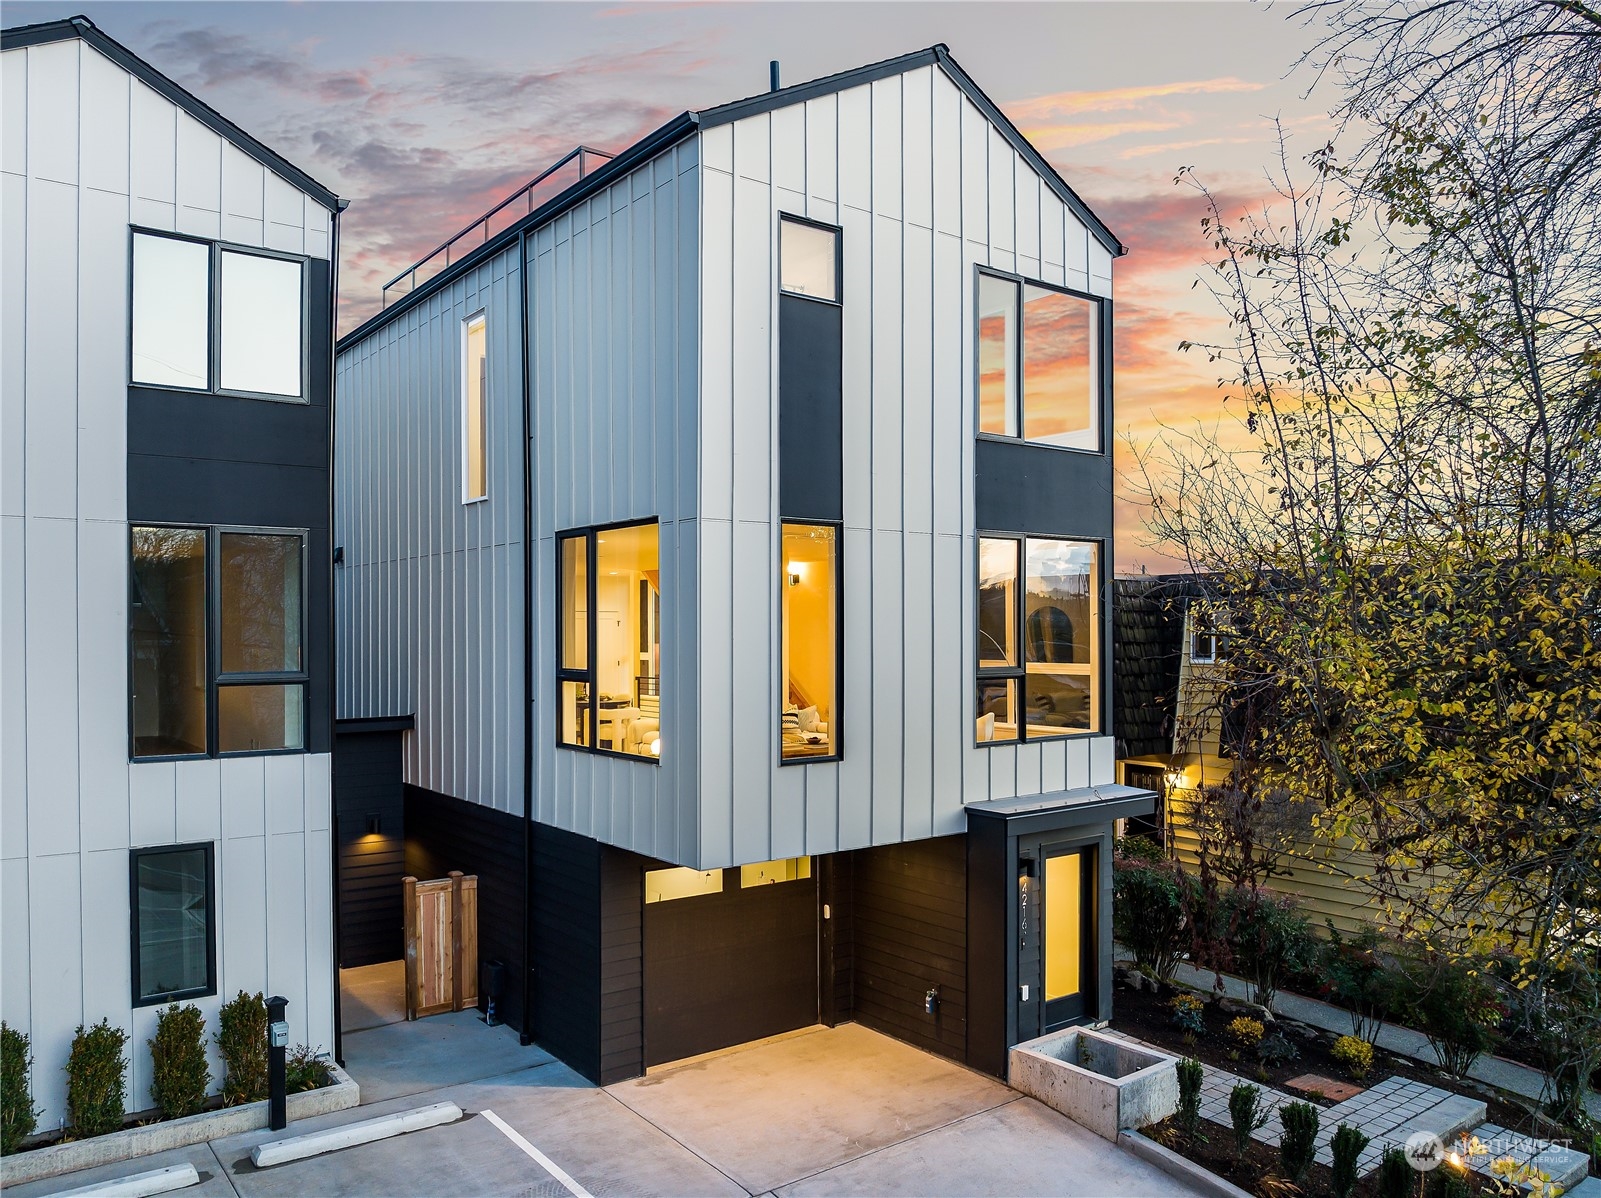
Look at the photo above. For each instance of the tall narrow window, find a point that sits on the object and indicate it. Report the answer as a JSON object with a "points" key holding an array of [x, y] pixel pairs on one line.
{"points": [[173, 934], [809, 718], [808, 259], [1039, 634], [260, 314], [609, 627], [171, 312], [474, 411], [261, 689], [1039, 363], [997, 356], [168, 670]]}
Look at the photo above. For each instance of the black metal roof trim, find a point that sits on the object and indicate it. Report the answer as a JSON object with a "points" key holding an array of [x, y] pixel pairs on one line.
{"points": [[83, 27], [1030, 155], [797, 93], [1067, 808], [642, 150]]}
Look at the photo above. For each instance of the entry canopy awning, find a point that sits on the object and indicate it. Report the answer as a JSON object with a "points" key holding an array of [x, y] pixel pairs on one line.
{"points": [[1066, 808]]}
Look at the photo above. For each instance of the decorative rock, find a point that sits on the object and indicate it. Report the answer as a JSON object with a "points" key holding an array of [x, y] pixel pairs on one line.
{"points": [[1238, 1006]]}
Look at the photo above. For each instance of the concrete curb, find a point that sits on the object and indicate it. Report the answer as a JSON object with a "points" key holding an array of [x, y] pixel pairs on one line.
{"points": [[366, 1131], [173, 1133], [1177, 1166], [141, 1185]]}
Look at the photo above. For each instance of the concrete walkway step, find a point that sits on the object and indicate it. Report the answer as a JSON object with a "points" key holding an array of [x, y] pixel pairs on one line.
{"points": [[1590, 1187], [1565, 1166]]}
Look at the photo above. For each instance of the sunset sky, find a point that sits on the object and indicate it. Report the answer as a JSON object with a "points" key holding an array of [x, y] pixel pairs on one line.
{"points": [[425, 114]]}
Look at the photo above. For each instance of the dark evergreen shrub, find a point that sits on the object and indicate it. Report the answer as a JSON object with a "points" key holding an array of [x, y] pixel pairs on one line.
{"points": [[18, 1116], [179, 1072], [97, 1079], [242, 1039]]}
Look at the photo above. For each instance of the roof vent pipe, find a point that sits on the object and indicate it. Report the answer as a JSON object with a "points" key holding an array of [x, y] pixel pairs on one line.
{"points": [[772, 75]]}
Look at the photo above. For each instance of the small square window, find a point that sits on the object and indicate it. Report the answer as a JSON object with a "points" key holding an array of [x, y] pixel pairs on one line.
{"points": [[173, 934], [808, 260]]}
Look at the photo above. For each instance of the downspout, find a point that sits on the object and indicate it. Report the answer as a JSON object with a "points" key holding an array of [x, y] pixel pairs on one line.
{"points": [[526, 1034], [333, 624]]}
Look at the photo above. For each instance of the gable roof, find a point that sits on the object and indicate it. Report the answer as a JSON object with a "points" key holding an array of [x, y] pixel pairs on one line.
{"points": [[83, 27], [687, 123]]}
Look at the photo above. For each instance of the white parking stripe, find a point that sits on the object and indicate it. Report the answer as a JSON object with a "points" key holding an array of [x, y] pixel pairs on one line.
{"points": [[550, 1166]]}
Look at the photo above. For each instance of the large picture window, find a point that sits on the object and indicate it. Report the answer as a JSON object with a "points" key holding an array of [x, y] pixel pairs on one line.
{"points": [[809, 719], [609, 623], [1039, 638], [1039, 363], [216, 641], [173, 938], [208, 317]]}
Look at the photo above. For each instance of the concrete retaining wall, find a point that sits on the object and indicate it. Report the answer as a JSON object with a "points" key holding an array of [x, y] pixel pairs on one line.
{"points": [[1098, 1081]]}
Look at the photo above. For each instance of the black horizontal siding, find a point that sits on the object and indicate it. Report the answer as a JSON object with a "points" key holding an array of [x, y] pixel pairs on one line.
{"points": [[622, 966], [908, 933], [445, 833], [566, 917], [368, 782]]}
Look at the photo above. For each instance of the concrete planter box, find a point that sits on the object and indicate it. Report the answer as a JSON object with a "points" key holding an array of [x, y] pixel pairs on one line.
{"points": [[174, 1133], [1099, 1081]]}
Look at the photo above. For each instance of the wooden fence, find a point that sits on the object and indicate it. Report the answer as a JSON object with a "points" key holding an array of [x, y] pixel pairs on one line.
{"points": [[441, 944]]}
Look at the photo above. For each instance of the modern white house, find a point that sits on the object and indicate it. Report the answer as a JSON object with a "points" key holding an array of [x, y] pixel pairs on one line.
{"points": [[166, 340], [726, 542]]}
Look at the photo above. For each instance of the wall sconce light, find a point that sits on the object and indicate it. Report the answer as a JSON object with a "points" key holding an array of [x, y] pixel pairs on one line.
{"points": [[794, 580], [375, 824], [1025, 870], [1175, 779]]}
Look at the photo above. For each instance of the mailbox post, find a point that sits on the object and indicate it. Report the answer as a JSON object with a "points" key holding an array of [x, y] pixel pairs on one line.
{"points": [[277, 1044]]}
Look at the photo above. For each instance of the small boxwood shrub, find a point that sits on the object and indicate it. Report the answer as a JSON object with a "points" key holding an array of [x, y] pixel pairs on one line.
{"points": [[18, 1116], [304, 1069], [1189, 1112], [1299, 1141], [1246, 1115], [97, 1079], [1347, 1147], [179, 1072], [1396, 1174], [1277, 1049], [242, 1040], [1356, 1055]]}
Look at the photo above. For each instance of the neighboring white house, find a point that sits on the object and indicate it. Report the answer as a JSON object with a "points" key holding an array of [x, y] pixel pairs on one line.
{"points": [[734, 527], [165, 680]]}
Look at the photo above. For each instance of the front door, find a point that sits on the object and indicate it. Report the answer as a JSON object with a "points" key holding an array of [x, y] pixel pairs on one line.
{"points": [[1069, 939]]}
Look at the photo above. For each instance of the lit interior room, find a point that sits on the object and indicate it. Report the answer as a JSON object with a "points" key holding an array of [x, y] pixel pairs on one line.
{"points": [[811, 641]]}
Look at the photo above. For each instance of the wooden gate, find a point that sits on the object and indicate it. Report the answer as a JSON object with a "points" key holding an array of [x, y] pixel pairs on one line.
{"points": [[441, 944]]}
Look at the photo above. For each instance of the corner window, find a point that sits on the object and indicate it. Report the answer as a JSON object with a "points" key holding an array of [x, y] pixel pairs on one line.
{"points": [[1039, 637], [808, 259], [208, 317], [474, 411], [173, 938], [608, 608], [216, 641], [809, 589], [1039, 363]]}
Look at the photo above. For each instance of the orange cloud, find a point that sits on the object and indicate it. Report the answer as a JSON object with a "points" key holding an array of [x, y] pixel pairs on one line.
{"points": [[1041, 108]]}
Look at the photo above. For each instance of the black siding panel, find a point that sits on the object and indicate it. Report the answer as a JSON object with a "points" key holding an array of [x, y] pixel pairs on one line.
{"points": [[909, 915], [622, 966], [444, 833], [368, 781], [217, 459], [1018, 487], [810, 386], [565, 889], [991, 884]]}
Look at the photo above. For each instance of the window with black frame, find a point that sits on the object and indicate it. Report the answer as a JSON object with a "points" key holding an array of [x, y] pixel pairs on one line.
{"points": [[173, 937], [1039, 363], [213, 317], [216, 641], [609, 621], [1039, 638]]}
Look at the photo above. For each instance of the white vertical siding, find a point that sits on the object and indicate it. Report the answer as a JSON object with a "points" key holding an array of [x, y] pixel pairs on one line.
{"points": [[85, 150], [612, 324], [925, 190], [429, 599]]}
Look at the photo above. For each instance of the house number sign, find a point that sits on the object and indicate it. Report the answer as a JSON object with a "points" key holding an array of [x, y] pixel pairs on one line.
{"points": [[1025, 910]]}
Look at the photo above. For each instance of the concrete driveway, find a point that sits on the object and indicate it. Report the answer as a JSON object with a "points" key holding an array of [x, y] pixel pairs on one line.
{"points": [[823, 1111]]}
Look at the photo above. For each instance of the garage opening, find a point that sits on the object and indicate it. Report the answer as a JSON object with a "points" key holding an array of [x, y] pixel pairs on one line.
{"points": [[730, 956]]}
